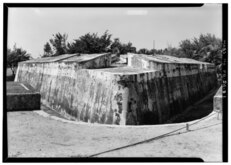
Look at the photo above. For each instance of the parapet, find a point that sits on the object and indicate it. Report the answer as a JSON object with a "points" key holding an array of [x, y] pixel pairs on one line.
{"points": [[169, 65]]}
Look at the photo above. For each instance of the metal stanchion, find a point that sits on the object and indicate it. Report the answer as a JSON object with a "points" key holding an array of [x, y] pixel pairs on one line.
{"points": [[217, 115], [187, 127]]}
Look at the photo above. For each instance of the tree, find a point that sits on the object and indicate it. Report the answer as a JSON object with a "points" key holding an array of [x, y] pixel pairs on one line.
{"points": [[14, 56], [47, 50], [59, 44], [143, 51], [187, 47], [206, 48], [129, 48], [76, 47], [90, 43], [118, 48], [210, 49], [105, 41]]}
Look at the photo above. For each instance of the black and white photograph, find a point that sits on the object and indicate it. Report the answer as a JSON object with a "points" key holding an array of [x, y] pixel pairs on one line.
{"points": [[116, 82]]}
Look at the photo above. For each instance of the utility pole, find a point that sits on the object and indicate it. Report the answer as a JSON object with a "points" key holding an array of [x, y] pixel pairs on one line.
{"points": [[153, 47]]}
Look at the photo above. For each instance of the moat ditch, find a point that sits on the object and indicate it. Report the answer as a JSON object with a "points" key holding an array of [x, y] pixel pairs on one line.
{"points": [[196, 111]]}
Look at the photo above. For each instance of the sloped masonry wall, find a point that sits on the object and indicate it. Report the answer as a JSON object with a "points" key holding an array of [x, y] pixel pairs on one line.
{"points": [[78, 94], [73, 91], [125, 96], [176, 85], [154, 99]]}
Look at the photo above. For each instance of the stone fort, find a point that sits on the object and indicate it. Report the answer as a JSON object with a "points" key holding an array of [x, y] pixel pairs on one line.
{"points": [[145, 90]]}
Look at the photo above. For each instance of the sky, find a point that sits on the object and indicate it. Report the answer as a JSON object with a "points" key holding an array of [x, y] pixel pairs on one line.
{"points": [[31, 28]]}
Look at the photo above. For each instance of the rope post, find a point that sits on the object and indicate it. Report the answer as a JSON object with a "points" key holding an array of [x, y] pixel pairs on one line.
{"points": [[187, 126], [217, 115]]}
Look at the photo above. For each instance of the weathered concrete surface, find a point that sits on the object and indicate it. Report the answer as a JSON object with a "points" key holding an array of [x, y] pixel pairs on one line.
{"points": [[68, 88], [217, 101], [178, 83], [170, 66], [136, 95], [32, 71], [21, 97]]}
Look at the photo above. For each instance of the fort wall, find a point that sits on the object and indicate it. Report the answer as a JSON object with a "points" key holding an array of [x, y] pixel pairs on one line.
{"points": [[144, 92]]}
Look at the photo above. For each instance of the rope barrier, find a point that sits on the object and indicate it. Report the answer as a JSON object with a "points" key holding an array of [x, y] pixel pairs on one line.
{"points": [[203, 119], [151, 139]]}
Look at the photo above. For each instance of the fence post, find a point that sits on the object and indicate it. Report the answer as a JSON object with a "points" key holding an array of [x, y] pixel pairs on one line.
{"points": [[187, 126]]}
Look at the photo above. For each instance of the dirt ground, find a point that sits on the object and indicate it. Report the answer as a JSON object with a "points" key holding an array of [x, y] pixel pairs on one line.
{"points": [[42, 134]]}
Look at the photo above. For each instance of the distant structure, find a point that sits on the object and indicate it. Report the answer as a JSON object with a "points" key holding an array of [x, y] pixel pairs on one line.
{"points": [[149, 90]]}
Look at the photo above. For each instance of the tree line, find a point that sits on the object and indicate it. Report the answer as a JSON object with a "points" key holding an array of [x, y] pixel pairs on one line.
{"points": [[86, 44], [206, 47]]}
